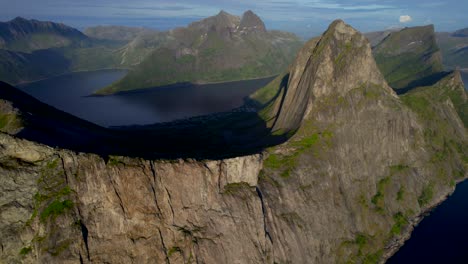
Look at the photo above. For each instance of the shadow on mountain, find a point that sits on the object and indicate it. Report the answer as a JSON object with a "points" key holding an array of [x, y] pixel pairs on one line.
{"points": [[426, 81], [221, 135]]}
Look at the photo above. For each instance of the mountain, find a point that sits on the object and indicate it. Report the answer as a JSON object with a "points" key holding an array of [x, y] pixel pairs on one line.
{"points": [[17, 67], [362, 161], [219, 48], [409, 56], [31, 50], [360, 167], [116, 33], [454, 47], [376, 37], [462, 33], [25, 35]]}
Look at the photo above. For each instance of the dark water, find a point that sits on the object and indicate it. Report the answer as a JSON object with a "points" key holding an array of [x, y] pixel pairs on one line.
{"points": [[69, 93], [442, 237]]}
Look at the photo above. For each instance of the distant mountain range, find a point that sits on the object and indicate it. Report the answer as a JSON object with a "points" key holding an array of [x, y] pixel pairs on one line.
{"points": [[25, 35], [453, 46], [219, 48]]}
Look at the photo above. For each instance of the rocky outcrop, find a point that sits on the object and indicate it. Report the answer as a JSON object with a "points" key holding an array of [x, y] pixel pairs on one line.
{"points": [[60, 207], [362, 166], [251, 22], [341, 60]]}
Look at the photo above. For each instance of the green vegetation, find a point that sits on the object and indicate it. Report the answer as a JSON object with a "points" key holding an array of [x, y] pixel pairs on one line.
{"points": [[400, 222], [55, 208], [379, 198], [287, 163], [10, 122], [173, 250], [401, 194], [426, 195], [24, 251], [211, 58], [439, 135], [373, 258], [114, 161], [398, 168], [233, 188], [408, 56]]}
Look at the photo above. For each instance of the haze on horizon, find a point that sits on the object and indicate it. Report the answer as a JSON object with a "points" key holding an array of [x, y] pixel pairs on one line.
{"points": [[304, 17]]}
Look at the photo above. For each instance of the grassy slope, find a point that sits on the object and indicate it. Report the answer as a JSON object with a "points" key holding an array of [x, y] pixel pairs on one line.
{"points": [[408, 56], [216, 60]]}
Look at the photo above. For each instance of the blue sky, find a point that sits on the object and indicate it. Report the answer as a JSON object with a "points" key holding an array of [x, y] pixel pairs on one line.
{"points": [[304, 17]]}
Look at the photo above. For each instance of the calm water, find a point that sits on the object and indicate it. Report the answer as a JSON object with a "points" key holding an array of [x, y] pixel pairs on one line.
{"points": [[441, 237], [70, 94]]}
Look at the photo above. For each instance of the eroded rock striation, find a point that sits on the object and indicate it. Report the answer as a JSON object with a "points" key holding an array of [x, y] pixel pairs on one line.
{"points": [[359, 169]]}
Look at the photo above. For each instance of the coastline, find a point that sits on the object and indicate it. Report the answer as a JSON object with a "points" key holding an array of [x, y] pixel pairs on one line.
{"points": [[394, 246], [198, 83], [67, 73]]}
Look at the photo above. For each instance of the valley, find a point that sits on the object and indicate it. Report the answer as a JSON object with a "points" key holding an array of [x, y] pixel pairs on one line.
{"points": [[72, 93]]}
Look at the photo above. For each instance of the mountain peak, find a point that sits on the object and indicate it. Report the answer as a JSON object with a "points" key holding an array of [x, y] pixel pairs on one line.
{"points": [[336, 63], [19, 19], [252, 22], [219, 22]]}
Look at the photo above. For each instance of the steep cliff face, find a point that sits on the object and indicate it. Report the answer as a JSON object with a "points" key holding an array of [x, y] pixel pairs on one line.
{"points": [[341, 60], [363, 163], [360, 169], [62, 207]]}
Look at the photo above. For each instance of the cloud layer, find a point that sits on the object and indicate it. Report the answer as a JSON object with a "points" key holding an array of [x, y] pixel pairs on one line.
{"points": [[405, 19], [311, 16]]}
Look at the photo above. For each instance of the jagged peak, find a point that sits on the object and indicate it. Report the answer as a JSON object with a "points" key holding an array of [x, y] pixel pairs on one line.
{"points": [[219, 22], [223, 13], [453, 80], [250, 20], [340, 61]]}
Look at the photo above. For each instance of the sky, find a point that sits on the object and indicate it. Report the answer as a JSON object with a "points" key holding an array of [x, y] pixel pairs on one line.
{"points": [[306, 18]]}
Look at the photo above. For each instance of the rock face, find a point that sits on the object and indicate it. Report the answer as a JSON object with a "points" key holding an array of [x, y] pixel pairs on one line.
{"points": [[251, 22], [65, 207], [360, 169]]}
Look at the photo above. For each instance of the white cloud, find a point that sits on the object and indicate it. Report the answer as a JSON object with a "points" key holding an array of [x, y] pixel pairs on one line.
{"points": [[405, 19]]}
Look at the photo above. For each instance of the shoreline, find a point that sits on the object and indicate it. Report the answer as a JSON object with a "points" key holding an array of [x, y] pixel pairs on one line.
{"points": [[394, 246], [67, 73], [180, 84]]}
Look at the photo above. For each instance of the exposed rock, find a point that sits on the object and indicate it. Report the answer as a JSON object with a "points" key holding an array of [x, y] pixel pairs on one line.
{"points": [[251, 22], [361, 169]]}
